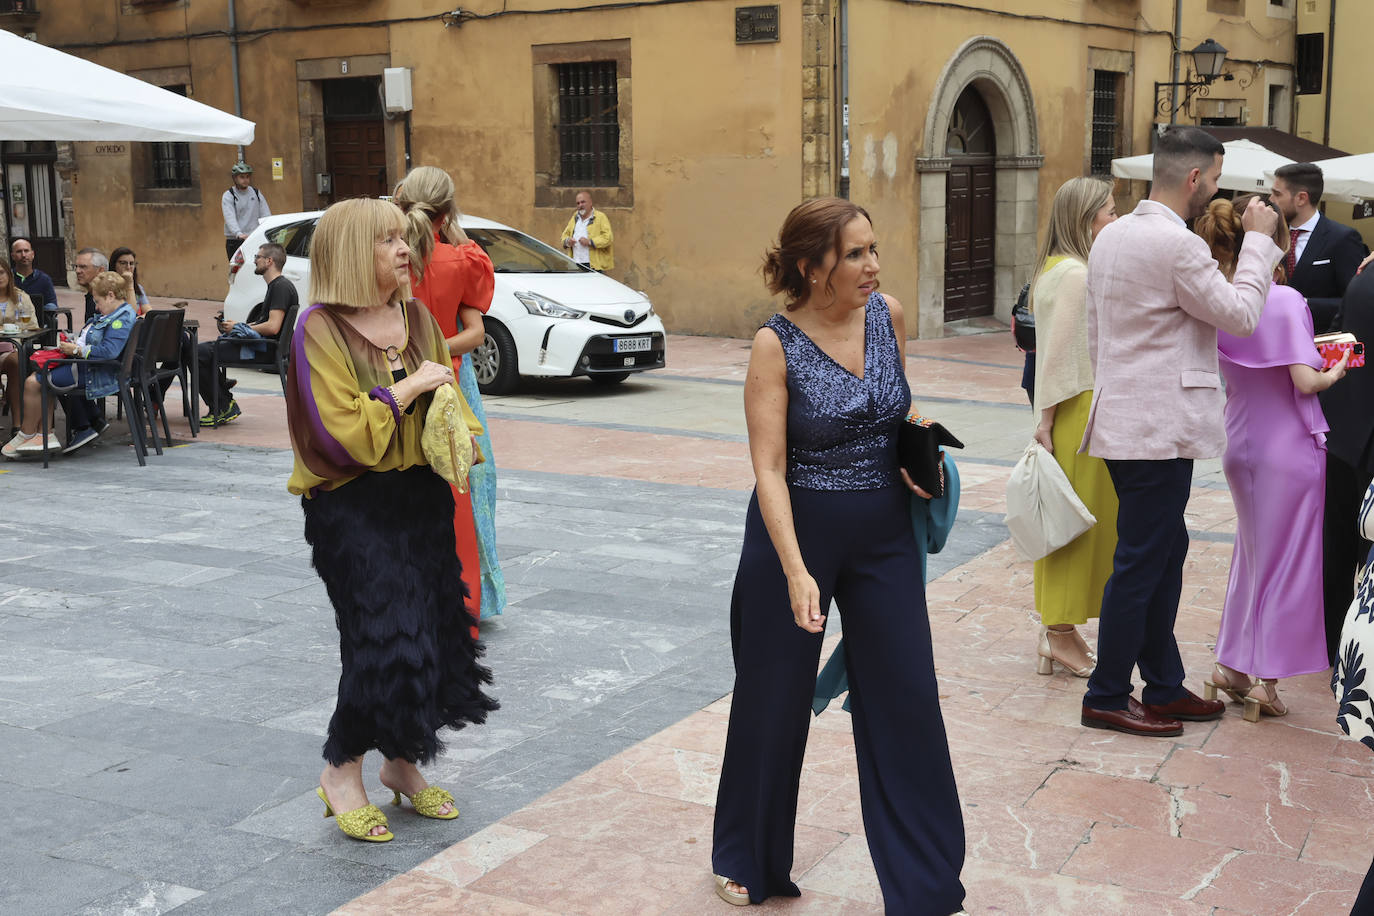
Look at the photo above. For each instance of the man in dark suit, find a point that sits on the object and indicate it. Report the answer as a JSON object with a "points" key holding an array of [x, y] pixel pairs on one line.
{"points": [[1349, 410], [1322, 254]]}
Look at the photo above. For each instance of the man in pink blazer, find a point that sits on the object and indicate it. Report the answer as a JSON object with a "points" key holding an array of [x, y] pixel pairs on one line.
{"points": [[1155, 301]]}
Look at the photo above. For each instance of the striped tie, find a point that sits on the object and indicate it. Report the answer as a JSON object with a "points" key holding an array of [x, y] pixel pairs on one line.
{"points": [[1290, 263]]}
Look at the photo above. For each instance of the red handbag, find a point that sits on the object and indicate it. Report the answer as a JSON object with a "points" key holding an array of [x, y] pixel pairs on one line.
{"points": [[41, 358]]}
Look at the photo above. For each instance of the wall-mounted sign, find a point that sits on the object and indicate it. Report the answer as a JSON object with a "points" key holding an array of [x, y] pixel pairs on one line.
{"points": [[276, 168], [1364, 209], [755, 24], [109, 149]]}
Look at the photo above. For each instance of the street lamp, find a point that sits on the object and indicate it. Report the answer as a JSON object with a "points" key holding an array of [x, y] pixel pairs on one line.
{"points": [[1208, 59]]}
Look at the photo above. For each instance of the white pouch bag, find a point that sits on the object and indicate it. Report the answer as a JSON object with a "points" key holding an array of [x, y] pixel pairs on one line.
{"points": [[1043, 511]]}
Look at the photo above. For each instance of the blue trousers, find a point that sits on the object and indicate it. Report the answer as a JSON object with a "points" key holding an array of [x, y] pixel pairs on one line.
{"points": [[859, 547], [1140, 602]]}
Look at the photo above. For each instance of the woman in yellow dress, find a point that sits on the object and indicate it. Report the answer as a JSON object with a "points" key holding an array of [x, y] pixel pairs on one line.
{"points": [[1069, 582]]}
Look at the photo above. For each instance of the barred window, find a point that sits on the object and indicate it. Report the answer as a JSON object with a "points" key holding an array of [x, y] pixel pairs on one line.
{"points": [[1106, 124], [170, 163], [588, 124], [1308, 63]]}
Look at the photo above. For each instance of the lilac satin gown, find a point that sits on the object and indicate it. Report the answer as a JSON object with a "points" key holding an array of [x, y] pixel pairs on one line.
{"points": [[1272, 625]]}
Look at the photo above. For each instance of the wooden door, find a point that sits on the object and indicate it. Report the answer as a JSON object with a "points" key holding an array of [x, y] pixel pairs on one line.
{"points": [[355, 154], [970, 220], [32, 203]]}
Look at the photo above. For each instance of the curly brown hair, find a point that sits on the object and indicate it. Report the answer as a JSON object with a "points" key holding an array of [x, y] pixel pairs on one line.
{"points": [[1220, 227]]}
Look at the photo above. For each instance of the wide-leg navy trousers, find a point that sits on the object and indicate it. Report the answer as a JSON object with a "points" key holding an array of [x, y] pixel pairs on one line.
{"points": [[859, 547]]}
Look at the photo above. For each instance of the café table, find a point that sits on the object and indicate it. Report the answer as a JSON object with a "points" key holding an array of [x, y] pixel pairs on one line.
{"points": [[26, 340]]}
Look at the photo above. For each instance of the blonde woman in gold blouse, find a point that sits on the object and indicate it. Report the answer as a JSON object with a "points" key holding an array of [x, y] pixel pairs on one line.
{"points": [[365, 360]]}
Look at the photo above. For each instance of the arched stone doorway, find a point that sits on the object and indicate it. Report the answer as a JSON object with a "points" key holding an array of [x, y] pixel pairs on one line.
{"points": [[1012, 152], [970, 209]]}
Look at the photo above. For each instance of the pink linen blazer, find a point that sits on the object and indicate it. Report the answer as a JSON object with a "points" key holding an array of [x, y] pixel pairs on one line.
{"points": [[1155, 300]]}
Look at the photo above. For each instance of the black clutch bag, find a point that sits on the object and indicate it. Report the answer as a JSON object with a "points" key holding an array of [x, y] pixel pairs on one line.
{"points": [[919, 441]]}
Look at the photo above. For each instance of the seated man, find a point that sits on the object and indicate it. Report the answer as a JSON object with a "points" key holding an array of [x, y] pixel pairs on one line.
{"points": [[32, 281], [264, 321], [102, 338]]}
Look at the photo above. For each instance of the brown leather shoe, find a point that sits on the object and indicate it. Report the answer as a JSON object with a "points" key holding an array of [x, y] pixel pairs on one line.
{"points": [[1190, 708], [1135, 719]]}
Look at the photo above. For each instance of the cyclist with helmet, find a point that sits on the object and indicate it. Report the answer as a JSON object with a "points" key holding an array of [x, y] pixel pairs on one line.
{"points": [[243, 206]]}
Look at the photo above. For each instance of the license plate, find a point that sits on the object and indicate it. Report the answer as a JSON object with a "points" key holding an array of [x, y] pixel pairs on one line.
{"points": [[631, 344]]}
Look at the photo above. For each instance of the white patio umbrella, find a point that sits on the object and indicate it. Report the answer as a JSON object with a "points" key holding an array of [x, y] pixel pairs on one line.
{"points": [[46, 94], [1348, 177], [1247, 166]]}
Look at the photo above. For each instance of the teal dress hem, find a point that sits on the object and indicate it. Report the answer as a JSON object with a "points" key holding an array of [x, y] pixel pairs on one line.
{"points": [[482, 483]]}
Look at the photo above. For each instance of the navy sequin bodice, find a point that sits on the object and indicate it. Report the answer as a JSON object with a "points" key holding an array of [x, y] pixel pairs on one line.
{"points": [[841, 429]]}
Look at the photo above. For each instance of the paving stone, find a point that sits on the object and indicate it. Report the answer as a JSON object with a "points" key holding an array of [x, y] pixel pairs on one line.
{"points": [[174, 850], [146, 898], [37, 884], [299, 882]]}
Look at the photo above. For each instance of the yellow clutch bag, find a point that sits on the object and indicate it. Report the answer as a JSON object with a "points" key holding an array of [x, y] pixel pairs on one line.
{"points": [[445, 440]]}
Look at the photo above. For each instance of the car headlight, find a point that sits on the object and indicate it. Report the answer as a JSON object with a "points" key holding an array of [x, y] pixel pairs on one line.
{"points": [[536, 304]]}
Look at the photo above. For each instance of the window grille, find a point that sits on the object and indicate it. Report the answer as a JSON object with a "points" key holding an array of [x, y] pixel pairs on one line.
{"points": [[1106, 124], [171, 162], [588, 124]]}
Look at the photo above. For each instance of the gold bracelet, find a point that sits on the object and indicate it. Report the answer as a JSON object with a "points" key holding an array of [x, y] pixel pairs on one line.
{"points": [[395, 398]]}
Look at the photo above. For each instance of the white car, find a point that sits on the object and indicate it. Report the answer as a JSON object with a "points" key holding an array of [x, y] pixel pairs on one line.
{"points": [[549, 316]]}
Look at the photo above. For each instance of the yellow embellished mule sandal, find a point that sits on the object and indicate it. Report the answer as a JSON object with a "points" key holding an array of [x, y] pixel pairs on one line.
{"points": [[359, 822], [428, 801]]}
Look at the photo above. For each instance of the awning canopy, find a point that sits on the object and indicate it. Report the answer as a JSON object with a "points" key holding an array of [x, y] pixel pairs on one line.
{"points": [[1245, 167], [46, 94], [1348, 178]]}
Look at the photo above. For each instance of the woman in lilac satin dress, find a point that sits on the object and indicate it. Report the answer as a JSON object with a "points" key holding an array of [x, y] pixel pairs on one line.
{"points": [[1272, 624]]}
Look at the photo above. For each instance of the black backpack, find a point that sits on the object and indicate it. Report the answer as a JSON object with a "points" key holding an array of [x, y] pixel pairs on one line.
{"points": [[1023, 321]]}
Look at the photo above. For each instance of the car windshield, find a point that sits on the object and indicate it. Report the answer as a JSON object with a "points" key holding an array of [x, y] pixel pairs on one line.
{"points": [[514, 252]]}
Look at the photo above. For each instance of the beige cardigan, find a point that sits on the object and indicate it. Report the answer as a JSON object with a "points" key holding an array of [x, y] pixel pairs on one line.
{"points": [[1063, 363]]}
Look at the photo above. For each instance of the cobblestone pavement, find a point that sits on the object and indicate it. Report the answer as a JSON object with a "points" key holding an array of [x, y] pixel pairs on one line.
{"points": [[170, 660]]}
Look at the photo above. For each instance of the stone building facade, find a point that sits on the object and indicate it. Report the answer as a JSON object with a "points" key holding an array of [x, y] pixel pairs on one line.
{"points": [[696, 124]]}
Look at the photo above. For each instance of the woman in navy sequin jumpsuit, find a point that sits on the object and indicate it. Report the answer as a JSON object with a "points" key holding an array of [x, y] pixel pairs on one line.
{"points": [[830, 518]]}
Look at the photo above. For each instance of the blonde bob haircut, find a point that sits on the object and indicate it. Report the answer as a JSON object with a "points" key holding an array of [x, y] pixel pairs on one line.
{"points": [[1070, 232], [343, 256], [426, 196], [106, 282]]}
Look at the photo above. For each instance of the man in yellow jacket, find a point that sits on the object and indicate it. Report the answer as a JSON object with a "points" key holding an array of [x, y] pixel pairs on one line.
{"points": [[588, 235]]}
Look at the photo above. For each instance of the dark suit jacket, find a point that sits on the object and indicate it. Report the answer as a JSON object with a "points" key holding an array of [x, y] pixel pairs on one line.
{"points": [[1329, 259], [1349, 404]]}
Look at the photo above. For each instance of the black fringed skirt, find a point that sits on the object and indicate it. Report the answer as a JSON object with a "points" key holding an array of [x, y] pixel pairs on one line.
{"points": [[383, 545]]}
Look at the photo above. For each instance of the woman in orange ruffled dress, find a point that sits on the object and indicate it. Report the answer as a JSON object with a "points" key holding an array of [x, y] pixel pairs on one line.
{"points": [[453, 277]]}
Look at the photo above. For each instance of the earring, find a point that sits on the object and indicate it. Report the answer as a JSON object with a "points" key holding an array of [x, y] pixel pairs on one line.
{"points": [[813, 281]]}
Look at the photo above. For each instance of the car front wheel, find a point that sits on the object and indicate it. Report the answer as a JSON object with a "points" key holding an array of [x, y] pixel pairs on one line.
{"points": [[494, 362]]}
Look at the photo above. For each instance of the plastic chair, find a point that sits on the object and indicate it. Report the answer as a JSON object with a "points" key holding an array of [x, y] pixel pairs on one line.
{"points": [[49, 317], [162, 362], [276, 353], [127, 392]]}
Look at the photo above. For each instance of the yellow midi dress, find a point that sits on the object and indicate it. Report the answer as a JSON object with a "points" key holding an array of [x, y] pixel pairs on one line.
{"points": [[1069, 582]]}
